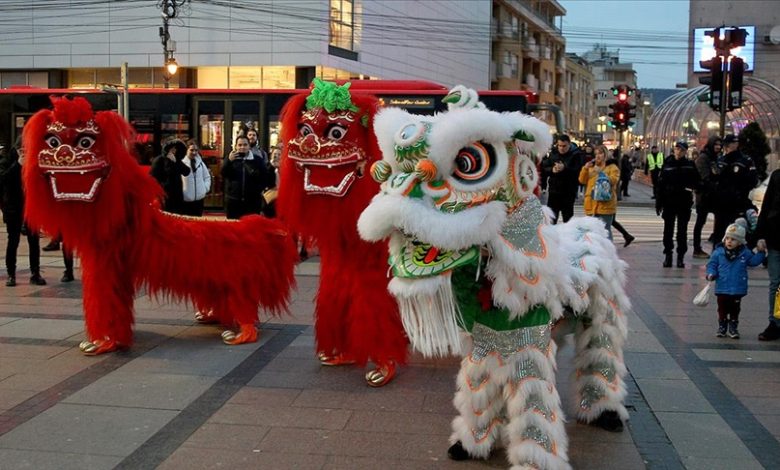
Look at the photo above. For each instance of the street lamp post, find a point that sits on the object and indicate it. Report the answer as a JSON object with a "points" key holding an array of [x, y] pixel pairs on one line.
{"points": [[169, 11]]}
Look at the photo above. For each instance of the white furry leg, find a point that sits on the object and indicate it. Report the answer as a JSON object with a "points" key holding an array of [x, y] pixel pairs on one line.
{"points": [[535, 431], [480, 405], [599, 360]]}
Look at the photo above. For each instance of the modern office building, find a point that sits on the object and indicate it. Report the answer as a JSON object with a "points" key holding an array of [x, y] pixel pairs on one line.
{"points": [[245, 44]]}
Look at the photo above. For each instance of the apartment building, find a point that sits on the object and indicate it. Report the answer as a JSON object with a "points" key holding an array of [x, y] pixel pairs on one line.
{"points": [[528, 49], [579, 104]]}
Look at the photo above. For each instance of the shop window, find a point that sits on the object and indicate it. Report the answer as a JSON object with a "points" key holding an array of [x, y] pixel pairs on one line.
{"points": [[278, 77], [213, 77], [245, 77]]}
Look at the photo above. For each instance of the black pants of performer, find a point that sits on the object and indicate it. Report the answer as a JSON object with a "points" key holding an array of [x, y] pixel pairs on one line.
{"points": [[67, 257], [269, 210], [236, 208], [728, 306], [654, 178], [192, 208], [562, 205], [680, 215], [14, 237], [624, 186], [702, 210]]}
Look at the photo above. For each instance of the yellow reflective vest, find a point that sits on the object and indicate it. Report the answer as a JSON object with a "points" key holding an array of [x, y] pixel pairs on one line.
{"points": [[655, 162]]}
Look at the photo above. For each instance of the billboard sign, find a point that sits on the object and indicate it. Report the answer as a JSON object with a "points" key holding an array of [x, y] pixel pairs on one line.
{"points": [[704, 48]]}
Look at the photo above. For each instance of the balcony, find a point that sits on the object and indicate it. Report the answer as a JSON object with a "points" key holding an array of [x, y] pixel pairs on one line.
{"points": [[531, 83], [546, 53], [506, 71], [532, 51]]}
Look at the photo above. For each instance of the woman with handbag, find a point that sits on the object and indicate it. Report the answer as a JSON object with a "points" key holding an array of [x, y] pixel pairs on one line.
{"points": [[601, 180]]}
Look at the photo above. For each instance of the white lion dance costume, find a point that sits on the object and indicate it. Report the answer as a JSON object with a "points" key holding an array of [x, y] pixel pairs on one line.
{"points": [[471, 249]]}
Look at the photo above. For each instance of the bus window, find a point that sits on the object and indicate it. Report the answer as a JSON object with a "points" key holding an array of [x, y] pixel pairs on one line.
{"points": [[211, 132], [246, 115]]}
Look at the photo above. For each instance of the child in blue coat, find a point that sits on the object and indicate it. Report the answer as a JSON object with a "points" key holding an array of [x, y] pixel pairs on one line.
{"points": [[728, 267]]}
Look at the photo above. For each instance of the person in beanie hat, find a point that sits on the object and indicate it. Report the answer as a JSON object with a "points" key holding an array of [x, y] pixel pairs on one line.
{"points": [[728, 268]]}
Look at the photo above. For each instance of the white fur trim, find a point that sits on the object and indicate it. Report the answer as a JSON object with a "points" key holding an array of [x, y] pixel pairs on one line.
{"points": [[431, 319], [461, 230]]}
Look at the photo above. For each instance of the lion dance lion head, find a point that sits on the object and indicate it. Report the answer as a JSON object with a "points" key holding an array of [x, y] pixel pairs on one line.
{"points": [[79, 172], [329, 144]]}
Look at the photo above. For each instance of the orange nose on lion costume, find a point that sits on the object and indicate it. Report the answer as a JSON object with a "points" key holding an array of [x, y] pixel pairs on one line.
{"points": [[83, 184]]}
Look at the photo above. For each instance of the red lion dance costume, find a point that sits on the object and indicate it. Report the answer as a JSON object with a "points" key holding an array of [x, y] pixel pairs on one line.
{"points": [[84, 184], [329, 143]]}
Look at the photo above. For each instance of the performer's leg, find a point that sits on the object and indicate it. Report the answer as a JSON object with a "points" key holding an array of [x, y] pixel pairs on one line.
{"points": [[108, 305], [480, 407], [535, 432], [244, 317], [14, 236], [600, 367], [330, 309], [67, 257]]}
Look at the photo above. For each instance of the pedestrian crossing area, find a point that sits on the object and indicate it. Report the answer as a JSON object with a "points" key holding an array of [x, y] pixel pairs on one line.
{"points": [[646, 226]]}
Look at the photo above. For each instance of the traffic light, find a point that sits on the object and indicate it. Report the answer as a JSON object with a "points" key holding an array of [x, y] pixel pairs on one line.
{"points": [[621, 109], [736, 70], [714, 80]]}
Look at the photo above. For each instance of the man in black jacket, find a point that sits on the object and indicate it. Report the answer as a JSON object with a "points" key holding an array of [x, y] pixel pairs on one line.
{"points": [[707, 166], [676, 182], [768, 232], [561, 170], [246, 178], [736, 177], [167, 169], [12, 204]]}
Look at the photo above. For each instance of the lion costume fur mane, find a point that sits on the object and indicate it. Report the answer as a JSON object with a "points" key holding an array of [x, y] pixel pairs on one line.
{"points": [[354, 314]]}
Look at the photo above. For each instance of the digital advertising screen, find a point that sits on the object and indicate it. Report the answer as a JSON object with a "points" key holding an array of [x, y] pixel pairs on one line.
{"points": [[704, 47]]}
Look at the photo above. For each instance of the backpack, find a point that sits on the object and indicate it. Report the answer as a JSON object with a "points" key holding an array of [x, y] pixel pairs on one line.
{"points": [[602, 189]]}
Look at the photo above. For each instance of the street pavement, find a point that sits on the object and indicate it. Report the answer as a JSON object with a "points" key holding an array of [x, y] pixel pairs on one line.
{"points": [[181, 399]]}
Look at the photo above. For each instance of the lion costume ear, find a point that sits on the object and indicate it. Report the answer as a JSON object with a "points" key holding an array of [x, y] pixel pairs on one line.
{"points": [[531, 136], [531, 139]]}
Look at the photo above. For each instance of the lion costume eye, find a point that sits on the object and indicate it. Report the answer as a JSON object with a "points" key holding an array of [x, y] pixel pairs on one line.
{"points": [[86, 141], [474, 162], [305, 130], [53, 141], [336, 132]]}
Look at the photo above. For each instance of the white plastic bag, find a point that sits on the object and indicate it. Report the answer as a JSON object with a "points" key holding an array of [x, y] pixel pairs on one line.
{"points": [[702, 299]]}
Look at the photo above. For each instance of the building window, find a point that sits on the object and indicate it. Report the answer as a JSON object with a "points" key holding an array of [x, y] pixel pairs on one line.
{"points": [[342, 24]]}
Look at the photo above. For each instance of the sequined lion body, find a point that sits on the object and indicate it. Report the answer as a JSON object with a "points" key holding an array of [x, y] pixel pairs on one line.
{"points": [[471, 249], [84, 184]]}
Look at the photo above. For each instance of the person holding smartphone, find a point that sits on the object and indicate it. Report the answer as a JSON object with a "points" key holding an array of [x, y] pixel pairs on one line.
{"points": [[246, 178]]}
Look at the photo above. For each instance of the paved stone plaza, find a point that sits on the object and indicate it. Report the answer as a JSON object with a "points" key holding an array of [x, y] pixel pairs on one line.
{"points": [[181, 399]]}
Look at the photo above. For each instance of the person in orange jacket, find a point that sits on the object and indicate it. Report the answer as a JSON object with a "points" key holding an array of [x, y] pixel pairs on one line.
{"points": [[601, 180]]}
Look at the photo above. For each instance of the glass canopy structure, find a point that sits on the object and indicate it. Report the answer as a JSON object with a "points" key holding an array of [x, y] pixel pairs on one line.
{"points": [[683, 116]]}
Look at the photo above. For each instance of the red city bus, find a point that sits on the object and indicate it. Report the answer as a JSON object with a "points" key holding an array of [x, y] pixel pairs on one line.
{"points": [[213, 117]]}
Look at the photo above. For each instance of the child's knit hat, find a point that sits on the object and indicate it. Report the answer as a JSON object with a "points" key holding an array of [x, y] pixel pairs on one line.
{"points": [[737, 231]]}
